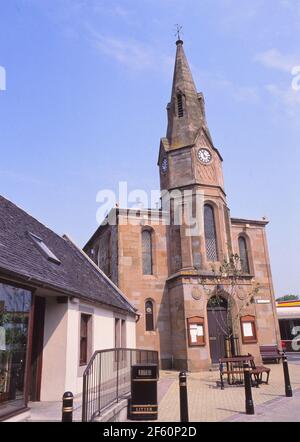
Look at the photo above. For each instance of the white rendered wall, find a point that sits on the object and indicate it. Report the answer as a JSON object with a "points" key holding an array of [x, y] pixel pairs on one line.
{"points": [[72, 351], [61, 368], [54, 352], [104, 329], [131, 332]]}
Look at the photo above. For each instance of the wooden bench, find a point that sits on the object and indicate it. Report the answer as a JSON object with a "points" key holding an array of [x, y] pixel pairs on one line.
{"points": [[257, 372], [270, 353], [235, 371]]}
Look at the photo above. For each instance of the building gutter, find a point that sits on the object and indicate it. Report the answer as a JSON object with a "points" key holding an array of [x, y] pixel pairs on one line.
{"points": [[33, 283], [249, 221], [115, 287]]}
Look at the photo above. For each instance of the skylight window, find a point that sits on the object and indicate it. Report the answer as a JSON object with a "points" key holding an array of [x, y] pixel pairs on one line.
{"points": [[44, 249]]}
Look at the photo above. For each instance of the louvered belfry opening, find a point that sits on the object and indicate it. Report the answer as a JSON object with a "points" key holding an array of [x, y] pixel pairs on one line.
{"points": [[210, 233], [180, 105]]}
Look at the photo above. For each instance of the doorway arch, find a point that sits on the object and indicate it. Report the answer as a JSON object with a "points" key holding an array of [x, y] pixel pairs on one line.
{"points": [[218, 326]]}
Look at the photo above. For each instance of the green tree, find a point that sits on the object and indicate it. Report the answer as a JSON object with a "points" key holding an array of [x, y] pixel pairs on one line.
{"points": [[288, 298], [229, 277]]}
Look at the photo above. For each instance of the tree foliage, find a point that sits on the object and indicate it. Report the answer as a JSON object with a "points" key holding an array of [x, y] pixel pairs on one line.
{"points": [[227, 279], [288, 298]]}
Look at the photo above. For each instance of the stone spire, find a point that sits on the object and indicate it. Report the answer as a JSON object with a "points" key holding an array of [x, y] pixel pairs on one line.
{"points": [[186, 109]]}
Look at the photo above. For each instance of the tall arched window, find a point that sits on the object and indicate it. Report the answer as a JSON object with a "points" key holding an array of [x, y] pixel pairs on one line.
{"points": [[147, 252], [149, 314], [210, 233], [180, 105], [244, 255]]}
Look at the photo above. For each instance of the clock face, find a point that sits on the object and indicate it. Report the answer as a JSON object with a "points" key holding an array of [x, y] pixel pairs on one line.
{"points": [[204, 156], [164, 165]]}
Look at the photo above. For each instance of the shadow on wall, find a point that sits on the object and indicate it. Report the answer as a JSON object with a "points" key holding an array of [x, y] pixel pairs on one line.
{"points": [[55, 322], [165, 335]]}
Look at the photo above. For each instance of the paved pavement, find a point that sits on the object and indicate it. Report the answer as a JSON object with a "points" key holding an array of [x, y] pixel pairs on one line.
{"points": [[52, 411], [280, 409], [294, 358], [208, 403]]}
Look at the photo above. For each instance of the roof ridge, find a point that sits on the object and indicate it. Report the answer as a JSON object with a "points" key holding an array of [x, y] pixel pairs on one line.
{"points": [[99, 271], [75, 275]]}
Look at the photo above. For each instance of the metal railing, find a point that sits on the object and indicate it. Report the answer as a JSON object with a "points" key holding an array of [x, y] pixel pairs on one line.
{"points": [[107, 378]]}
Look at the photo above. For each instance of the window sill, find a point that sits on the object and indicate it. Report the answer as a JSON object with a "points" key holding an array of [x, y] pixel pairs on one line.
{"points": [[251, 341], [197, 345]]}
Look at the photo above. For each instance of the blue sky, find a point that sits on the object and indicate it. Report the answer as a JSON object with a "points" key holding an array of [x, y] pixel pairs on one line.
{"points": [[87, 86]]}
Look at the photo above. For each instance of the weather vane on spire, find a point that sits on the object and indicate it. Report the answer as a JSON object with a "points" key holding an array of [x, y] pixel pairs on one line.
{"points": [[178, 31]]}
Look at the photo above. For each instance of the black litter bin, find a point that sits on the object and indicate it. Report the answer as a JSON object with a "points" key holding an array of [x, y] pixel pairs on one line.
{"points": [[143, 403]]}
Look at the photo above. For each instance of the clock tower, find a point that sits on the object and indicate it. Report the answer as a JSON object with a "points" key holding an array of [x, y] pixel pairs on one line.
{"points": [[189, 162], [163, 259]]}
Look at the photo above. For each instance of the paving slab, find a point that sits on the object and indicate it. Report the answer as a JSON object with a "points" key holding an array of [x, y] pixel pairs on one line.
{"points": [[208, 403], [281, 409]]}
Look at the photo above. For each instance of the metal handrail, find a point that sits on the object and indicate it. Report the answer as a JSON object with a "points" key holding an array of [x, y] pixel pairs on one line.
{"points": [[109, 350], [106, 378]]}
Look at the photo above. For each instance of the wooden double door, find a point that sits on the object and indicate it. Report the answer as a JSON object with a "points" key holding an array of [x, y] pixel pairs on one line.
{"points": [[218, 329]]}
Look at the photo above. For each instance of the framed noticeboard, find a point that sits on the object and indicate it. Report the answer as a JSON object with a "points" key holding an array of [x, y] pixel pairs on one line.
{"points": [[248, 328], [196, 332]]}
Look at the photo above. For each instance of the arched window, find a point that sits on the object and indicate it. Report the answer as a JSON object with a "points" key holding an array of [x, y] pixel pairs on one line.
{"points": [[210, 233], [244, 255], [180, 105], [147, 252], [149, 314]]}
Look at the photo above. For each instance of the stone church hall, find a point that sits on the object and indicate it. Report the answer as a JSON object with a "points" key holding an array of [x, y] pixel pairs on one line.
{"points": [[149, 214], [202, 295]]}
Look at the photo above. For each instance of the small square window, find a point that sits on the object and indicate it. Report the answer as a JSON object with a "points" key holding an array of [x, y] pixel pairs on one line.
{"points": [[85, 337], [42, 246]]}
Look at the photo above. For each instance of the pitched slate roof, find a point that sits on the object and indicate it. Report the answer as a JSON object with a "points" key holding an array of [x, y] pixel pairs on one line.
{"points": [[76, 275]]}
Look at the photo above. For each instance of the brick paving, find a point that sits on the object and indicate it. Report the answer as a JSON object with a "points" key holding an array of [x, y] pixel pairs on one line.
{"points": [[280, 409], [208, 403], [51, 411]]}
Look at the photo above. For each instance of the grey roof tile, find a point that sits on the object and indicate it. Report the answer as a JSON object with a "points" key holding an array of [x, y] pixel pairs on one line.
{"points": [[75, 275]]}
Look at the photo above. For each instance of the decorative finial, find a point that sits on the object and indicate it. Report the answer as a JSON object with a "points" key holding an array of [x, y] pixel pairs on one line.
{"points": [[178, 32]]}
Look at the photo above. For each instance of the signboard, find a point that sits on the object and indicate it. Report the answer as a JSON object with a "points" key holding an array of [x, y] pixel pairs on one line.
{"points": [[247, 329], [196, 331]]}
